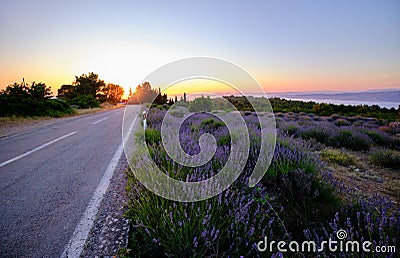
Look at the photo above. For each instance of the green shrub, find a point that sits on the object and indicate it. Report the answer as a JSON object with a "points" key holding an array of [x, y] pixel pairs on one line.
{"points": [[155, 105], [210, 122], [182, 104], [305, 197], [200, 104], [58, 108], [290, 129], [316, 133], [337, 157], [342, 122], [335, 116], [377, 138], [31, 100], [152, 136], [386, 158], [350, 140], [224, 139], [85, 101]]}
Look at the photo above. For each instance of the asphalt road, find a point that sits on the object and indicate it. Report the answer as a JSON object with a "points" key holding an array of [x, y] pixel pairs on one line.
{"points": [[47, 179]]}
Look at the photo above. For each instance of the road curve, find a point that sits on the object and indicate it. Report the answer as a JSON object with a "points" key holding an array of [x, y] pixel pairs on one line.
{"points": [[48, 178]]}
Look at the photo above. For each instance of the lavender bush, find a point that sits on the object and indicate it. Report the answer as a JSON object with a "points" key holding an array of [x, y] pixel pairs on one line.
{"points": [[354, 133], [349, 138], [373, 220], [386, 158], [228, 224]]}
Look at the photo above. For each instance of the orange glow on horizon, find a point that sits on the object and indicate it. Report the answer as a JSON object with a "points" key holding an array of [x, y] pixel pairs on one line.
{"points": [[270, 84], [196, 86]]}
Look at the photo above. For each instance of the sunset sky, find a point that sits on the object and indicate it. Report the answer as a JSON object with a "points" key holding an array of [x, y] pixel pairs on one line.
{"points": [[285, 45]]}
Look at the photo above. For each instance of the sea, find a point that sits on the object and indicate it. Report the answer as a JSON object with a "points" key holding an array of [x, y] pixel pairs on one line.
{"points": [[382, 104]]}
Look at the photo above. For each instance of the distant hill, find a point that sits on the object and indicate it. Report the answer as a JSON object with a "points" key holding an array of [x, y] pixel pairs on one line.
{"points": [[388, 98]]}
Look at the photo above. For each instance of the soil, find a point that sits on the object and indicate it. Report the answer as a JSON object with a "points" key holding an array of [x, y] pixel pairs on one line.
{"points": [[366, 179]]}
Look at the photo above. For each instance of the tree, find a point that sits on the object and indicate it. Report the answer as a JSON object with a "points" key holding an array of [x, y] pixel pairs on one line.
{"points": [[85, 101], [16, 91], [66, 92], [113, 93], [325, 109], [201, 104], [143, 93], [88, 84], [161, 99], [85, 91], [33, 100], [39, 91]]}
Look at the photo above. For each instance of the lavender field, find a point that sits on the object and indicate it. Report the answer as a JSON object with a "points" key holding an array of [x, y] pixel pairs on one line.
{"points": [[327, 174]]}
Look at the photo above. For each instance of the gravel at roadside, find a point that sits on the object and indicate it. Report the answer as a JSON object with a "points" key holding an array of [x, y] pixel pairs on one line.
{"points": [[110, 230]]}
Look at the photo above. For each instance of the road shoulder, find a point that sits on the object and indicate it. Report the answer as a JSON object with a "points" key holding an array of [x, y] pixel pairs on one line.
{"points": [[12, 127], [110, 230]]}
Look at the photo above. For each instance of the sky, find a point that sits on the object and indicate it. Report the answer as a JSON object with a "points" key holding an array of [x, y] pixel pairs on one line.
{"points": [[285, 45]]}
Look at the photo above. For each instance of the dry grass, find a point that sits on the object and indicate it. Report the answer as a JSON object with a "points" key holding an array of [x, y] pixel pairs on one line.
{"points": [[17, 119], [88, 111]]}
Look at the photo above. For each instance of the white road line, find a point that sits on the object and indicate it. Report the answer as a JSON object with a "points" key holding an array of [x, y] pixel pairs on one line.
{"points": [[75, 245], [35, 149], [101, 120]]}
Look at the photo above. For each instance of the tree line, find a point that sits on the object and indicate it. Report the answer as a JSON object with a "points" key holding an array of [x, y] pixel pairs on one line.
{"points": [[242, 103], [144, 93], [21, 99], [323, 109], [86, 91]]}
